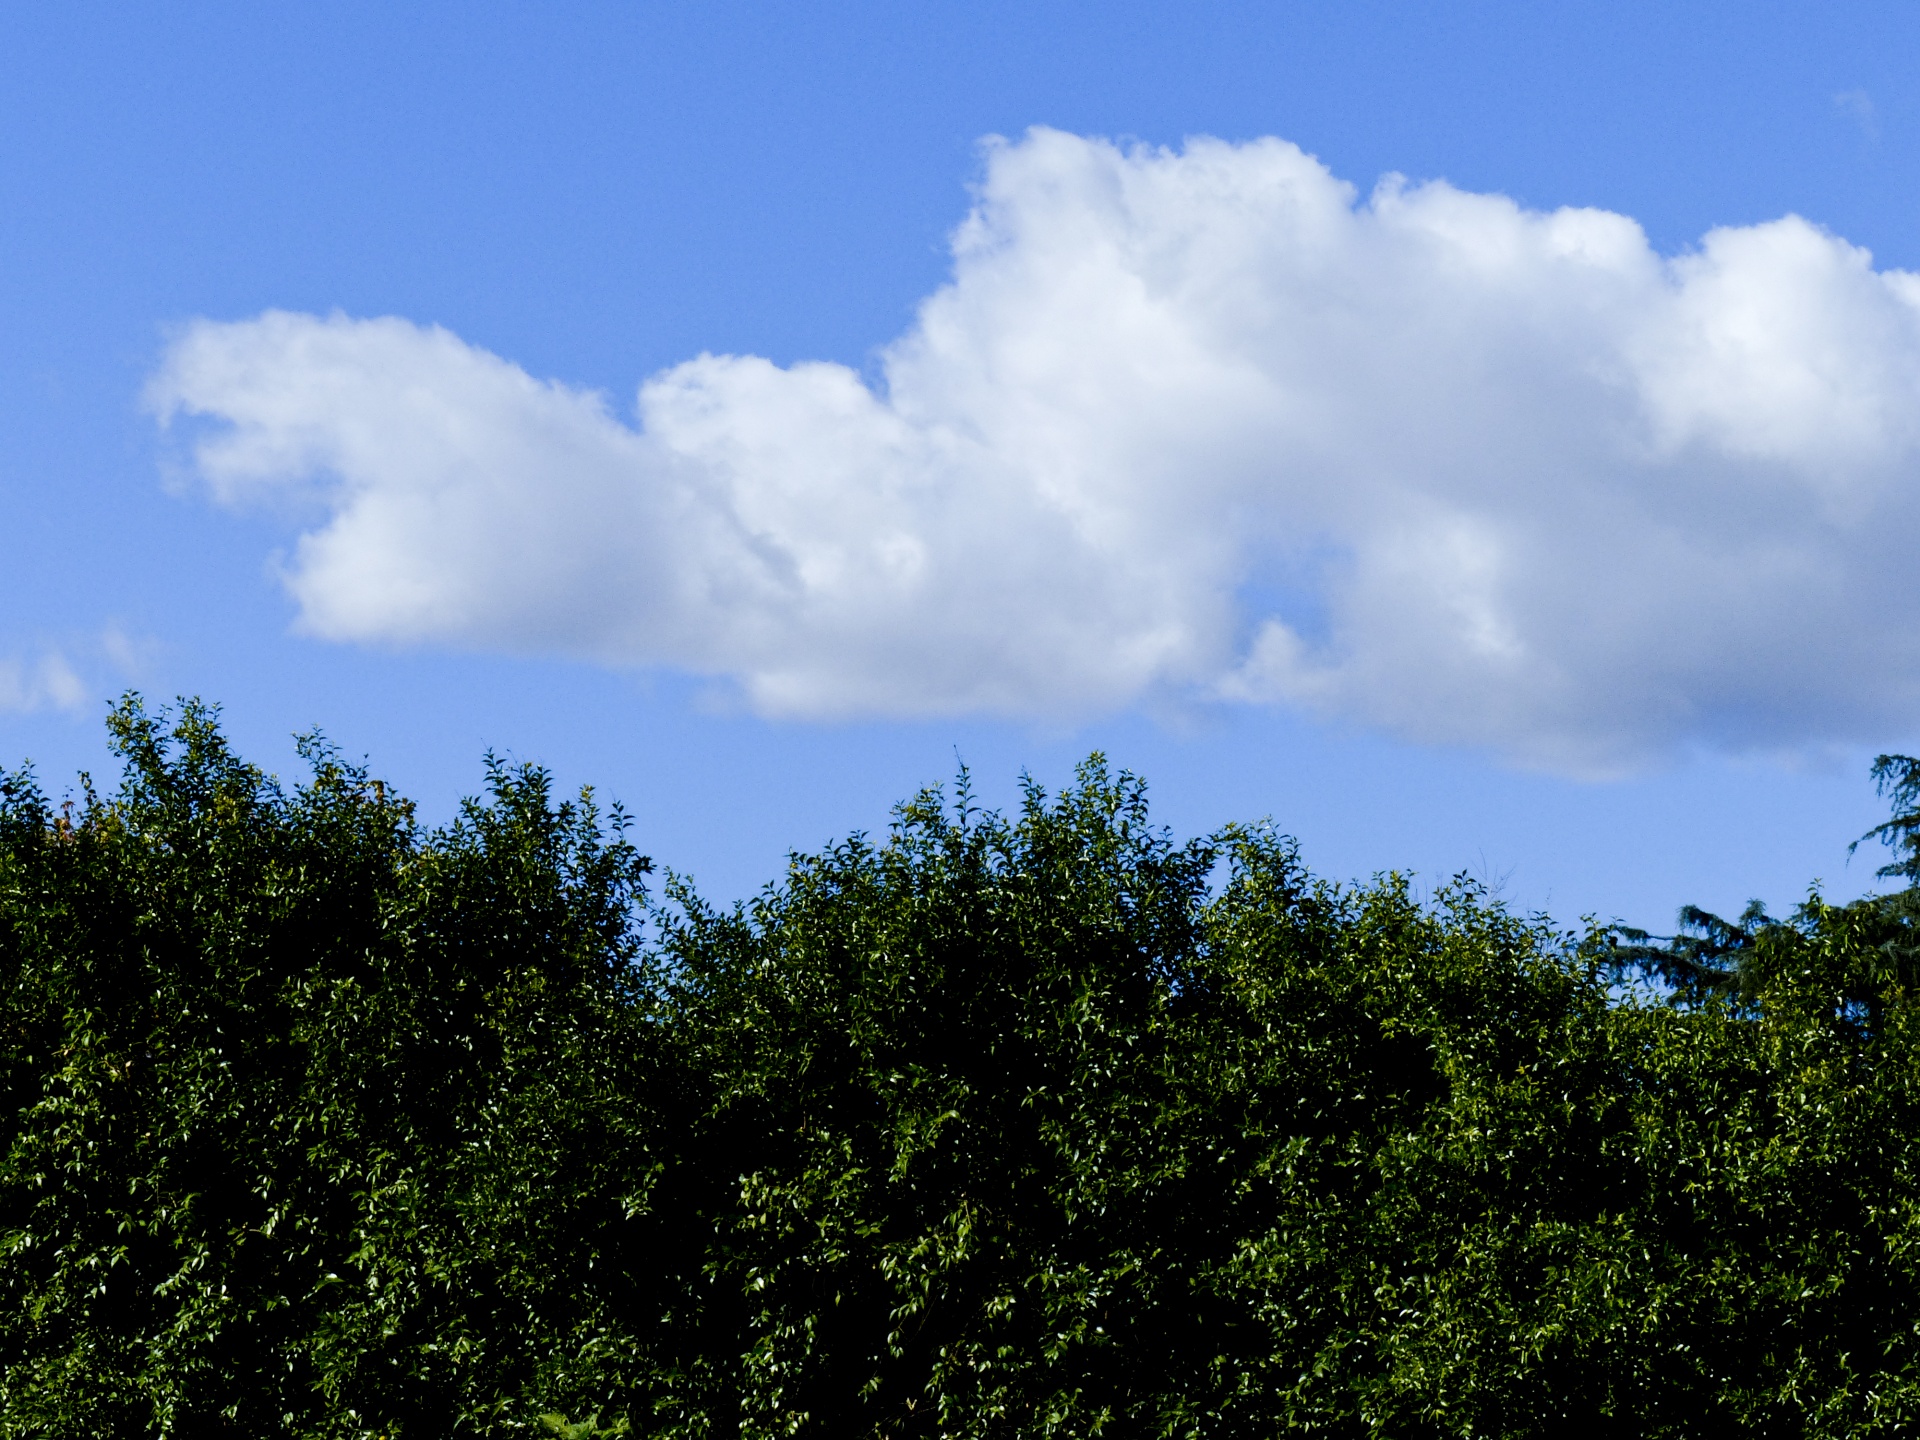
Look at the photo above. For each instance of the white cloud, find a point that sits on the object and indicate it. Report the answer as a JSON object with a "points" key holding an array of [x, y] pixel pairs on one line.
{"points": [[48, 683], [1185, 425]]}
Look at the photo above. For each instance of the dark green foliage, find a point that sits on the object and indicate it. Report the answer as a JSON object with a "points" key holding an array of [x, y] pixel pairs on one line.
{"points": [[1897, 777], [318, 1122], [313, 1124]]}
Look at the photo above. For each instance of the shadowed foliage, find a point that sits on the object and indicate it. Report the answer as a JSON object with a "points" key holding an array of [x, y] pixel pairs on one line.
{"points": [[321, 1122]]}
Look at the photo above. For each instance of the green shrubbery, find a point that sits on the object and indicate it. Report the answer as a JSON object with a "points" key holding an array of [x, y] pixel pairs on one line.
{"points": [[320, 1122]]}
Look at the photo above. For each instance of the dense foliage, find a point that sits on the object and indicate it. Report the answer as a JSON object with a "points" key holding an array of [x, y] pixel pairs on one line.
{"points": [[321, 1122]]}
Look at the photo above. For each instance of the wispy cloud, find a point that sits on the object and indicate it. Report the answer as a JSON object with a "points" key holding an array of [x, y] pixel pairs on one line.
{"points": [[45, 682], [131, 653], [1198, 425], [1857, 106]]}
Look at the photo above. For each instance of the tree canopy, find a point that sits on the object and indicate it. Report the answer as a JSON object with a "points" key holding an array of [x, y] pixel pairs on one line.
{"points": [[322, 1122]]}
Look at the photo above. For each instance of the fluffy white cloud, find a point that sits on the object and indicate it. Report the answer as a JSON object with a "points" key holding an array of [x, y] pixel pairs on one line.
{"points": [[1184, 425], [48, 683]]}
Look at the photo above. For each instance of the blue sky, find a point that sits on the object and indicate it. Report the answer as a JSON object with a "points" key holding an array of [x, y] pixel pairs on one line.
{"points": [[598, 194]]}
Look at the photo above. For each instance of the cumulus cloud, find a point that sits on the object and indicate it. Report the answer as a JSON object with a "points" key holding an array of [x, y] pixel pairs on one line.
{"points": [[48, 683], [1185, 426]]}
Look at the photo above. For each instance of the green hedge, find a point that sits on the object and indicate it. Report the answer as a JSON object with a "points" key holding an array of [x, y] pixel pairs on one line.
{"points": [[321, 1122]]}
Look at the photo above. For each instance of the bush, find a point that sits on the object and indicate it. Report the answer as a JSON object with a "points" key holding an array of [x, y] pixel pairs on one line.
{"points": [[319, 1122]]}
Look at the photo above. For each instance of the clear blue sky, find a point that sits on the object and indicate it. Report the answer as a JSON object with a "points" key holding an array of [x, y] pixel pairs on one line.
{"points": [[595, 193]]}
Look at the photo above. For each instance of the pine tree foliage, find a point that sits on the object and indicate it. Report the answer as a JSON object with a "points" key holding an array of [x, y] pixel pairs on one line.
{"points": [[321, 1122]]}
